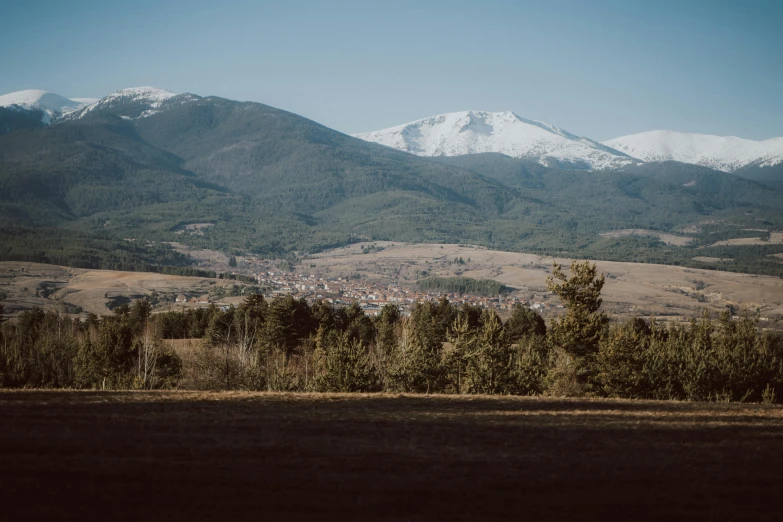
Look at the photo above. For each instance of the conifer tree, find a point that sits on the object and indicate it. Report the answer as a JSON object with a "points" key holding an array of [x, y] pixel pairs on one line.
{"points": [[522, 323], [490, 366], [580, 330], [415, 365], [347, 368]]}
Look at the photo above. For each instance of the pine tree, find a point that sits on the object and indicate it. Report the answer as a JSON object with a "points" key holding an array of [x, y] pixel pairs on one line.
{"points": [[347, 368], [523, 322], [489, 367], [621, 360], [415, 365], [580, 330], [575, 337]]}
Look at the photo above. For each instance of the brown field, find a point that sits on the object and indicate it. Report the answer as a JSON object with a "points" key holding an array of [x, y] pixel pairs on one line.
{"points": [[631, 288], [89, 289], [669, 239], [240, 456]]}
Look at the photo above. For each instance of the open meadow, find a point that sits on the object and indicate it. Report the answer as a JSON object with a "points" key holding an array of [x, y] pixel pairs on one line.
{"points": [[240, 456], [73, 290]]}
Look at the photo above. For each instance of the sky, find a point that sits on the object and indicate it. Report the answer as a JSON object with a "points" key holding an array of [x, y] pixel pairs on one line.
{"points": [[598, 68]]}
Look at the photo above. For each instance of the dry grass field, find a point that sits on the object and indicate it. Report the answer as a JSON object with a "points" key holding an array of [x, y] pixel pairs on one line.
{"points": [[242, 456], [90, 290], [631, 288]]}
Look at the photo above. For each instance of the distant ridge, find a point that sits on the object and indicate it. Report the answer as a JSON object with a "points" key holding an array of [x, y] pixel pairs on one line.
{"points": [[50, 104], [726, 153]]}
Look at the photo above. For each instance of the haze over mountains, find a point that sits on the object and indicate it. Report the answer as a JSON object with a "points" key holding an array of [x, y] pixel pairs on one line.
{"points": [[143, 163]]}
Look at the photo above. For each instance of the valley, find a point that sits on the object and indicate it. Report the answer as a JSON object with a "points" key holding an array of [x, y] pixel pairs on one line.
{"points": [[377, 273]]}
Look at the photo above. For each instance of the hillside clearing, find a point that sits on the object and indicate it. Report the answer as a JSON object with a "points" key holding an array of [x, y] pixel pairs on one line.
{"points": [[669, 239], [775, 238]]}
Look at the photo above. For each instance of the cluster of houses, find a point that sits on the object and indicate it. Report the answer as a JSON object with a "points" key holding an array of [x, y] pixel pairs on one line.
{"points": [[372, 297], [202, 301], [182, 299]]}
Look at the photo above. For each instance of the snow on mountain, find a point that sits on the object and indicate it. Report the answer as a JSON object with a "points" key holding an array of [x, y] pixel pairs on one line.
{"points": [[135, 102], [85, 101], [52, 105], [473, 132], [726, 153]]}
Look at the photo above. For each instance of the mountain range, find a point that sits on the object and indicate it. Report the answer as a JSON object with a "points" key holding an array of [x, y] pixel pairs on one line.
{"points": [[726, 153], [468, 132], [758, 160], [102, 184], [471, 132]]}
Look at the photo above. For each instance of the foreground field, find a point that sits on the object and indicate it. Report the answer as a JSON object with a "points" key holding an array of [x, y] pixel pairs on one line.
{"points": [[184, 456]]}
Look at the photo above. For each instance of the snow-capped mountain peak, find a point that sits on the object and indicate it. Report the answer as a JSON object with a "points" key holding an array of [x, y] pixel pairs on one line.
{"points": [[726, 153], [52, 105], [471, 132], [135, 102], [150, 94]]}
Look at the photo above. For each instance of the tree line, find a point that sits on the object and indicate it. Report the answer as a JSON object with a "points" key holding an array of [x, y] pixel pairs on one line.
{"points": [[285, 344], [464, 285]]}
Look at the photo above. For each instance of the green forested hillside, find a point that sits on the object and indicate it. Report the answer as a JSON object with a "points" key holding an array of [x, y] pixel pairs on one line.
{"points": [[271, 182], [770, 176], [12, 119], [702, 205]]}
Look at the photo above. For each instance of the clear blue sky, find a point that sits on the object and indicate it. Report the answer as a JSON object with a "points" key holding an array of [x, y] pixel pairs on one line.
{"points": [[598, 68]]}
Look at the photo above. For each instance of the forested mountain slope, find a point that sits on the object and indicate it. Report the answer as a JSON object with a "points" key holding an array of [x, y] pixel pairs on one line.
{"points": [[142, 163]]}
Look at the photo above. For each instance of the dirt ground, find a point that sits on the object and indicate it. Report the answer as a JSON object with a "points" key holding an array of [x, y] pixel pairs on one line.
{"points": [[631, 288], [241, 456]]}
